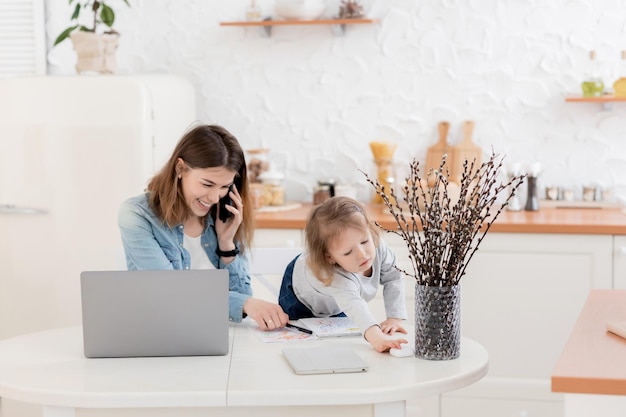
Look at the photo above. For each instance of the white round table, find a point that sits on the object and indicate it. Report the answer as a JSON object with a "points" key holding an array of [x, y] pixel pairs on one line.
{"points": [[49, 368]]}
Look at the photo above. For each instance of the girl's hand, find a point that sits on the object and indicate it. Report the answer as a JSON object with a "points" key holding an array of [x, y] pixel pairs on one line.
{"points": [[226, 230], [391, 326], [387, 344], [381, 342]]}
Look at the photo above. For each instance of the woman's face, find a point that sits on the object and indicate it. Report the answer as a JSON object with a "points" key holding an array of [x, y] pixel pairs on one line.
{"points": [[203, 187]]}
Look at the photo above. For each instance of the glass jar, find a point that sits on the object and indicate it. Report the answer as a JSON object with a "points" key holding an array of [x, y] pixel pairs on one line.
{"points": [[321, 193], [257, 163], [592, 85], [274, 195], [345, 190], [253, 13], [273, 189], [258, 195]]}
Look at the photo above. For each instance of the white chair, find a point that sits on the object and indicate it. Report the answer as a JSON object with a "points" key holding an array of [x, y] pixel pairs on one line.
{"points": [[267, 266]]}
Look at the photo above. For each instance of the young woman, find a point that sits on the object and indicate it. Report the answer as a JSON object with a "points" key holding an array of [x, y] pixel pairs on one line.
{"points": [[343, 267], [177, 223]]}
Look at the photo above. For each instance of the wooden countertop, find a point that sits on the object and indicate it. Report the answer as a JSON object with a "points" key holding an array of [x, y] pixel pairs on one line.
{"points": [[600, 221], [594, 360]]}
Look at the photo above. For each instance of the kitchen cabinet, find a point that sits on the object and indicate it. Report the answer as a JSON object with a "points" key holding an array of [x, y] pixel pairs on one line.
{"points": [[619, 262], [278, 238], [520, 299], [495, 406]]}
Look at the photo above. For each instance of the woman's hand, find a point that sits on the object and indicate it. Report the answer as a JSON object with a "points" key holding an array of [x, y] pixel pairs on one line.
{"points": [[391, 326], [380, 341], [268, 316], [226, 230]]}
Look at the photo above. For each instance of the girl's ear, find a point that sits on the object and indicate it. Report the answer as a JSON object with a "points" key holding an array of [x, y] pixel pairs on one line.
{"points": [[330, 259]]}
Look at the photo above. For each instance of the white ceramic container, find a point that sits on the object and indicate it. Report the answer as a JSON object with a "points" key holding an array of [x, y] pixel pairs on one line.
{"points": [[299, 9]]}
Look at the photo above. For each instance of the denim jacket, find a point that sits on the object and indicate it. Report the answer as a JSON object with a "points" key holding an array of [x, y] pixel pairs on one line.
{"points": [[149, 244]]}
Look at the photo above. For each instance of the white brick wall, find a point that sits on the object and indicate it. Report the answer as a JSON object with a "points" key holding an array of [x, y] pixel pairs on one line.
{"points": [[317, 99]]}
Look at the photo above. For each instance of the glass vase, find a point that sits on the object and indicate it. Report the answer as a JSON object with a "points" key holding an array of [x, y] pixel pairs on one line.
{"points": [[437, 322]]}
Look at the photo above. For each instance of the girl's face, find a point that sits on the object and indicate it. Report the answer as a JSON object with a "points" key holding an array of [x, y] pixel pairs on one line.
{"points": [[203, 187], [353, 250]]}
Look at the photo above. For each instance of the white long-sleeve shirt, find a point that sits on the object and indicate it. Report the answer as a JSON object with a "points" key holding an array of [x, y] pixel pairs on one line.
{"points": [[350, 292]]}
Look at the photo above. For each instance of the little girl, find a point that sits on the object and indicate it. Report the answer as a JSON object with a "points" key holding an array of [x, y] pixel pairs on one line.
{"points": [[342, 268]]}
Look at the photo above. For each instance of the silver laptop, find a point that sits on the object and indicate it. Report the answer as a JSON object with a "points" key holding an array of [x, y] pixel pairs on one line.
{"points": [[155, 313], [324, 360]]}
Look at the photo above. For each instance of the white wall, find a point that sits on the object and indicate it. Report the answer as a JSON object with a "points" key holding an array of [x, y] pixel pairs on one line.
{"points": [[317, 99]]}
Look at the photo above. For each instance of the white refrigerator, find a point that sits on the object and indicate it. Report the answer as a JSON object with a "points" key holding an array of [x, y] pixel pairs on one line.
{"points": [[72, 148]]}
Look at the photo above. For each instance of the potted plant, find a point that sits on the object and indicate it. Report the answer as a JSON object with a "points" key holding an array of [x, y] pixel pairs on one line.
{"points": [[443, 225], [95, 44]]}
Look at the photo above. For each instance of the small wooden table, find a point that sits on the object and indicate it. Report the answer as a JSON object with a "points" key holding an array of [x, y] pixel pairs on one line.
{"points": [[591, 371]]}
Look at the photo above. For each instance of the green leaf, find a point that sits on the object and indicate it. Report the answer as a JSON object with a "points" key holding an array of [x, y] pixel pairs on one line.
{"points": [[64, 35], [76, 11], [107, 15]]}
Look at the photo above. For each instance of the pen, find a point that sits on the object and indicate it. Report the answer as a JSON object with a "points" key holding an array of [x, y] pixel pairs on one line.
{"points": [[302, 329]]}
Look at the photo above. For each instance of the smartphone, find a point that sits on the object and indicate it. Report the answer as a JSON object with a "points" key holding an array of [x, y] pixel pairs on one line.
{"points": [[224, 213]]}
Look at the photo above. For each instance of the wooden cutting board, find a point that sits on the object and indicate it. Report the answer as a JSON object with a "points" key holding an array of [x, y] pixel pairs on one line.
{"points": [[465, 150], [435, 152]]}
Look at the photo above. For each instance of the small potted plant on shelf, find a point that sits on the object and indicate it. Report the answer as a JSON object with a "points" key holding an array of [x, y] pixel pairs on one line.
{"points": [[442, 225], [96, 43]]}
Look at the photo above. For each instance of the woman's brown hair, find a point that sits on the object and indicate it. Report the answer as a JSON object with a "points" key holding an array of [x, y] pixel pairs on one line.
{"points": [[325, 223], [204, 146]]}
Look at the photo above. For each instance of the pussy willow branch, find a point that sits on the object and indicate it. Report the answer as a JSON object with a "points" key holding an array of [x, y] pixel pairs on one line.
{"points": [[442, 233]]}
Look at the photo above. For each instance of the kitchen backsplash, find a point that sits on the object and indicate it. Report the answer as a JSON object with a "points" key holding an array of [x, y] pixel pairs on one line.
{"points": [[317, 99]]}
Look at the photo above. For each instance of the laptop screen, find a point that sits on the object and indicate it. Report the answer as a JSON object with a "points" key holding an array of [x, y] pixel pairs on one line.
{"points": [[155, 313]]}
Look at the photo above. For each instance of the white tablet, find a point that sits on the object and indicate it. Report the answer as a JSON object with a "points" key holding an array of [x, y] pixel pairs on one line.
{"points": [[324, 360]]}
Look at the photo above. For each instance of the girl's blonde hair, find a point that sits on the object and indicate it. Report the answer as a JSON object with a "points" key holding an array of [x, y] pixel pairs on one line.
{"points": [[325, 223], [204, 146]]}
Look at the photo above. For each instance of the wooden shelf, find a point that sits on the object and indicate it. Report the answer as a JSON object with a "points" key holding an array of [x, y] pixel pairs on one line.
{"points": [[267, 24], [607, 98]]}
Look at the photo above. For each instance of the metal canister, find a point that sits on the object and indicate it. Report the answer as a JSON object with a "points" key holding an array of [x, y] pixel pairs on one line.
{"points": [[330, 182]]}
